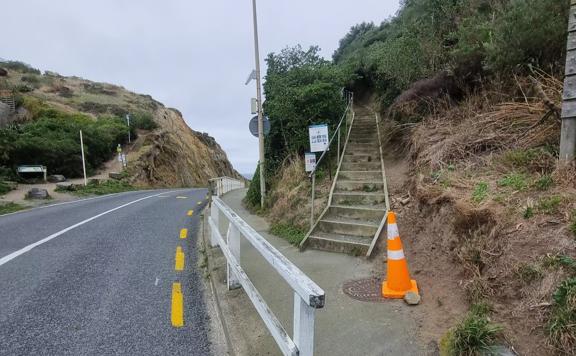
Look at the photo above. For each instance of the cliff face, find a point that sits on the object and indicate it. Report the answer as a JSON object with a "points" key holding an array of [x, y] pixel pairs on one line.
{"points": [[179, 156], [168, 155]]}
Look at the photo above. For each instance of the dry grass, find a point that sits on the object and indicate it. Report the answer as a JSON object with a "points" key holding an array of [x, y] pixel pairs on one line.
{"points": [[290, 196], [460, 132]]}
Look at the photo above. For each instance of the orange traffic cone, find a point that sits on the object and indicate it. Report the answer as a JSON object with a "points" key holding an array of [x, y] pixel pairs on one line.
{"points": [[398, 281]]}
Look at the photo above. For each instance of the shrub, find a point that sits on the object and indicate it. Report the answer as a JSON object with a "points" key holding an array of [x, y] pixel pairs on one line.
{"points": [[252, 199], [142, 121], [544, 183], [53, 140], [20, 67], [106, 187]]}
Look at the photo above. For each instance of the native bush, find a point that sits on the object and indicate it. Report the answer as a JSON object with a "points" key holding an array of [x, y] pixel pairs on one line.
{"points": [[53, 140]]}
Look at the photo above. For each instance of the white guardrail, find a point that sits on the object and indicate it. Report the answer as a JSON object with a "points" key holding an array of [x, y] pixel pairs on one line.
{"points": [[308, 296], [223, 185]]}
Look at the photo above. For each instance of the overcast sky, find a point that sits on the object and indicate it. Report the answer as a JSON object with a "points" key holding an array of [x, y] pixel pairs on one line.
{"points": [[188, 54]]}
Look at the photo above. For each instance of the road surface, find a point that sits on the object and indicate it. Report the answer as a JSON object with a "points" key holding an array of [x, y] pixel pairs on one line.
{"points": [[102, 277]]}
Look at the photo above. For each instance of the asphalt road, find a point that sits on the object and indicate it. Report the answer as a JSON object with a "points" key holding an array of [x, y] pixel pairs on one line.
{"points": [[104, 286]]}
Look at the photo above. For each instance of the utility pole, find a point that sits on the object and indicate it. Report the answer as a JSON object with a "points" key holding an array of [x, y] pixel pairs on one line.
{"points": [[568, 131], [83, 159], [260, 114]]}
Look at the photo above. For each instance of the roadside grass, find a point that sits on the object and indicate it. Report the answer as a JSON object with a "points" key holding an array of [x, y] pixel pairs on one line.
{"points": [[288, 232], [474, 335], [106, 187], [529, 272], [544, 183], [561, 327], [10, 208]]}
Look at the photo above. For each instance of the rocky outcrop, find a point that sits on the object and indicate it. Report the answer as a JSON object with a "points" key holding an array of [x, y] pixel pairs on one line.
{"points": [[175, 155]]}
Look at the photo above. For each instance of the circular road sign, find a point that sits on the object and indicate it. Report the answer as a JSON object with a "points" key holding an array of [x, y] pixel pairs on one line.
{"points": [[254, 126]]}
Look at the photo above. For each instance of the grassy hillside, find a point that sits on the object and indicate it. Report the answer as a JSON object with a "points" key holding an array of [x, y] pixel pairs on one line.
{"points": [[51, 109], [468, 93]]}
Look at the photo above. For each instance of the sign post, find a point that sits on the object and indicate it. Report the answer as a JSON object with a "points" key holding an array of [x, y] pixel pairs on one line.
{"points": [[83, 158], [318, 135]]}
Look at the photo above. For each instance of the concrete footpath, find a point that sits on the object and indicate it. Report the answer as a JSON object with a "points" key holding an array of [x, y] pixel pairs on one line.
{"points": [[343, 327]]}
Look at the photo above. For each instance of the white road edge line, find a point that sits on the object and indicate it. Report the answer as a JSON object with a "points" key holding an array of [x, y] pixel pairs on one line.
{"points": [[23, 250], [83, 200]]}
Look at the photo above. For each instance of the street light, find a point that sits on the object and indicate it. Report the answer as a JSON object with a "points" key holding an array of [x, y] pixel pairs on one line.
{"points": [[259, 100]]}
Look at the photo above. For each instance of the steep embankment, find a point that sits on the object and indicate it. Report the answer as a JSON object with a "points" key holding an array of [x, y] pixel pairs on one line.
{"points": [[168, 152]]}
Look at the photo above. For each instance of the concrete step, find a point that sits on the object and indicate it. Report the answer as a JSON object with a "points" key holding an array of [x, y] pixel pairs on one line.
{"points": [[355, 213], [363, 140], [355, 186], [361, 175], [359, 158], [347, 227], [339, 243], [361, 166], [365, 150], [370, 200]]}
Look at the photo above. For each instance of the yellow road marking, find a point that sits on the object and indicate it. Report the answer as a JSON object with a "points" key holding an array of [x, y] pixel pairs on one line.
{"points": [[179, 197], [179, 266], [199, 202], [183, 233], [190, 212], [177, 306]]}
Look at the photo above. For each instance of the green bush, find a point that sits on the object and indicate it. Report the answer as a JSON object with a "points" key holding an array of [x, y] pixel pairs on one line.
{"points": [[480, 192], [53, 140], [10, 208], [106, 187], [142, 121], [252, 199]]}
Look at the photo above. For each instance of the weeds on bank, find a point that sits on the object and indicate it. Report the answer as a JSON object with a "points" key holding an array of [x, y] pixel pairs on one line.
{"points": [[288, 232], [480, 192], [550, 205], [474, 335], [516, 181], [561, 326], [10, 208]]}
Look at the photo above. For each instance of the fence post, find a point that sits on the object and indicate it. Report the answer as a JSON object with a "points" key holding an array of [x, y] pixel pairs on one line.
{"points": [[233, 241], [303, 326], [338, 146], [215, 216]]}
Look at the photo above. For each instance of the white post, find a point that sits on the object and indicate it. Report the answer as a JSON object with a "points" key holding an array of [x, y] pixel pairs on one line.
{"points": [[303, 326], [233, 241], [128, 122], [215, 216], [312, 199], [83, 158]]}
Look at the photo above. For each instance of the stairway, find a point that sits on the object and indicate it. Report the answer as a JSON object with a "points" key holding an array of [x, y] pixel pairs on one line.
{"points": [[357, 203]]}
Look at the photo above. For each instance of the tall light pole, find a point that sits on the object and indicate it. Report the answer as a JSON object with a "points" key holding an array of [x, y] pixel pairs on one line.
{"points": [[260, 114]]}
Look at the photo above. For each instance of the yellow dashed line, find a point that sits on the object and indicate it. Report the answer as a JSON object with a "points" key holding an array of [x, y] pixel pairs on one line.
{"points": [[179, 265], [177, 306], [183, 233], [190, 212]]}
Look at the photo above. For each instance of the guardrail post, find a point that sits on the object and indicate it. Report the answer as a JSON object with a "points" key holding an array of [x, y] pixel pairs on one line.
{"points": [[303, 326], [233, 240], [215, 216]]}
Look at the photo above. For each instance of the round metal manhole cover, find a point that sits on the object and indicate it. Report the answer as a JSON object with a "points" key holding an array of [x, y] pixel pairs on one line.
{"points": [[366, 290]]}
